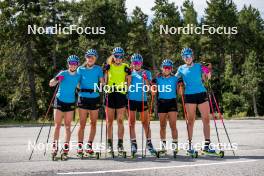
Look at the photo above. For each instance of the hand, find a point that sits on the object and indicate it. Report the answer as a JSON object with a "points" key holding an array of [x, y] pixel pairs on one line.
{"points": [[144, 75], [205, 70], [59, 78]]}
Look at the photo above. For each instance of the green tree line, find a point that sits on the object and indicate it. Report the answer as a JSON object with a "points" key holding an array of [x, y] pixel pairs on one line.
{"points": [[28, 61]]}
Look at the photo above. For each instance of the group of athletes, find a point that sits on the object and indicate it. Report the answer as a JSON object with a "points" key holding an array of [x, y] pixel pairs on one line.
{"points": [[121, 102]]}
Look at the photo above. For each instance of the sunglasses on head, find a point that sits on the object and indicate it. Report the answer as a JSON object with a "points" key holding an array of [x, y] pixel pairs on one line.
{"points": [[118, 56], [137, 63], [187, 56], [167, 67], [73, 63]]}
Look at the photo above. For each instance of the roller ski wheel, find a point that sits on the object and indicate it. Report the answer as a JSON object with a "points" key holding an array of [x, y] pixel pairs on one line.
{"points": [[64, 156], [192, 153], [97, 155], [122, 154], [133, 155], [80, 155], [154, 153]]}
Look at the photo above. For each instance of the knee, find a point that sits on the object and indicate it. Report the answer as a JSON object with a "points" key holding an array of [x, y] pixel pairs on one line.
{"points": [[82, 126], [67, 127], [93, 123], [57, 126], [162, 126], [120, 121]]}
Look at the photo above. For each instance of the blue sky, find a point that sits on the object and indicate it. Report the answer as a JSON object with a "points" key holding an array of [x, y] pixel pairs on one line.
{"points": [[199, 5]]}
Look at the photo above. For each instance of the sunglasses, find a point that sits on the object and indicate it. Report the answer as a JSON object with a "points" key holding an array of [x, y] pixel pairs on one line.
{"points": [[138, 63], [118, 56], [167, 67], [89, 56], [187, 56], [73, 63]]}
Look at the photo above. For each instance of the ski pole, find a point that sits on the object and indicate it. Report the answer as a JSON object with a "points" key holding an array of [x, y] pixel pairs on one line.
{"points": [[54, 94], [222, 119], [215, 118], [185, 113], [142, 117], [129, 122], [106, 119]]}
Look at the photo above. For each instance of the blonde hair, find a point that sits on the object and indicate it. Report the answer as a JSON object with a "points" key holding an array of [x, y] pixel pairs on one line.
{"points": [[110, 60]]}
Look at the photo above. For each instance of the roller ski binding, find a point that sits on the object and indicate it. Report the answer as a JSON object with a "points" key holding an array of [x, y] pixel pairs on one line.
{"points": [[65, 151], [80, 153]]}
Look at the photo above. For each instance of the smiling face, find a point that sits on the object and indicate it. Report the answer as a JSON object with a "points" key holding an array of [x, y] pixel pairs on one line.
{"points": [[118, 58], [166, 70], [90, 60], [188, 59], [73, 66], [137, 65]]}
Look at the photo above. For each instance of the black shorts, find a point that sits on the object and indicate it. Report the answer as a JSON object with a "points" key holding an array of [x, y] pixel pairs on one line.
{"points": [[167, 105], [197, 98], [62, 106], [137, 105], [89, 103], [116, 100]]}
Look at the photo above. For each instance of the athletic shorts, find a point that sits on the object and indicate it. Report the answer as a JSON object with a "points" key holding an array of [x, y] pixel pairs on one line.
{"points": [[167, 105], [197, 98], [137, 105], [62, 106], [89, 103], [116, 100]]}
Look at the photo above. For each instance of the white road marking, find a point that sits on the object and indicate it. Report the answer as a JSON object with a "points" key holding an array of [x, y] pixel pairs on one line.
{"points": [[155, 168]]}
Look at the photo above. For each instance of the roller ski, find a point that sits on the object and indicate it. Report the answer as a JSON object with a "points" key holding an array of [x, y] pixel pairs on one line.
{"points": [[192, 152], [151, 149], [89, 152], [65, 151], [110, 149], [162, 151], [54, 152], [211, 152], [80, 153], [120, 150], [133, 150], [175, 149]]}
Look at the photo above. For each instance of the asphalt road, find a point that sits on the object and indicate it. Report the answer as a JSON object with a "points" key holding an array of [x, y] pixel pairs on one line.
{"points": [[249, 159]]}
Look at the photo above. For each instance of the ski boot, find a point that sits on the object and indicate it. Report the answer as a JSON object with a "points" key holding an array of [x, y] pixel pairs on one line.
{"points": [[110, 149], [80, 153], [90, 152], [65, 151], [211, 152], [54, 151], [151, 149], [163, 150], [192, 152], [120, 149], [133, 149], [175, 148]]}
